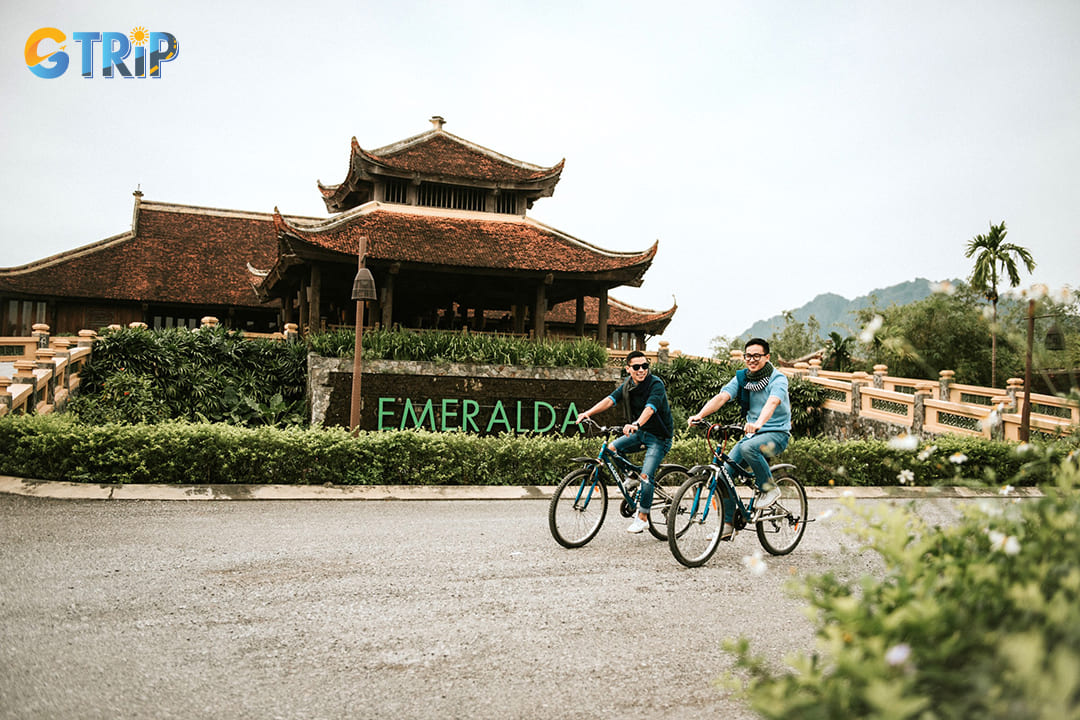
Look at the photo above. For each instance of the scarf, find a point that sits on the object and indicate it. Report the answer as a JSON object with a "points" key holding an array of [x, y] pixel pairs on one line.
{"points": [[758, 380]]}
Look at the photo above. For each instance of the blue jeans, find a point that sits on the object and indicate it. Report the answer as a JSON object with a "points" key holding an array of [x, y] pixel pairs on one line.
{"points": [[656, 448], [753, 453]]}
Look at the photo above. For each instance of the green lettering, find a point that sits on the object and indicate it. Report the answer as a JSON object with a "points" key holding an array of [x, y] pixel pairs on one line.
{"points": [[571, 416], [496, 413], [428, 412], [471, 409], [383, 412], [536, 416], [447, 413], [520, 429]]}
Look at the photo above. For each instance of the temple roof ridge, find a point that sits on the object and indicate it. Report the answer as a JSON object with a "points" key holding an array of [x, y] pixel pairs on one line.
{"points": [[401, 145]]}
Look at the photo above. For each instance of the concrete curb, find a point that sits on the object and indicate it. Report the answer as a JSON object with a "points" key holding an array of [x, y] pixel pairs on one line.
{"points": [[90, 491]]}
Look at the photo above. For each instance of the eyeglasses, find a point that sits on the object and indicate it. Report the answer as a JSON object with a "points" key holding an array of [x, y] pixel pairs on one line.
{"points": [[751, 357], [640, 366]]}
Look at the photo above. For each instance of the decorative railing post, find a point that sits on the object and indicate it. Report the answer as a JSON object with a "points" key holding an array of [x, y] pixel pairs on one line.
{"points": [[815, 366], [137, 325], [735, 355], [802, 369], [41, 332], [918, 414], [1014, 388], [44, 360], [62, 346], [858, 379], [24, 374], [663, 355], [209, 321], [86, 338], [292, 332], [880, 371], [5, 396], [945, 381]]}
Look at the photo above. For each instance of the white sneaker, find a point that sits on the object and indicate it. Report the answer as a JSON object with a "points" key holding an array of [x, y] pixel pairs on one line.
{"points": [[726, 534], [637, 526], [768, 498]]}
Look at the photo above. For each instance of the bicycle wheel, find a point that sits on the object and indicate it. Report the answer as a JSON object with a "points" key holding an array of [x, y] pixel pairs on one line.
{"points": [[578, 507], [694, 522], [668, 480], [781, 527]]}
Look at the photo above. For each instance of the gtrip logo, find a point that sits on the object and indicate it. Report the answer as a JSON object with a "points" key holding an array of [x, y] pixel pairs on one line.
{"points": [[46, 56]]}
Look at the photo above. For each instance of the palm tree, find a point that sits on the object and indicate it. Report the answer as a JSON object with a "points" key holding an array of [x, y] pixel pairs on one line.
{"points": [[839, 352], [994, 257]]}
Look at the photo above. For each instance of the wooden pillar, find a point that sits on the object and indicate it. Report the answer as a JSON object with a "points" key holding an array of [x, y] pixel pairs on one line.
{"points": [[519, 318], [305, 307], [540, 308], [602, 319], [579, 316], [315, 307], [387, 301]]}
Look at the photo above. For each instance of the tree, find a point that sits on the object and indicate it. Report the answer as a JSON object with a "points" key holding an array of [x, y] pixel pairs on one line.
{"points": [[796, 339], [994, 255], [838, 352]]}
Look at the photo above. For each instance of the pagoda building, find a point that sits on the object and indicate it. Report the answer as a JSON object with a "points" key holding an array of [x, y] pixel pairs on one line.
{"points": [[447, 240]]}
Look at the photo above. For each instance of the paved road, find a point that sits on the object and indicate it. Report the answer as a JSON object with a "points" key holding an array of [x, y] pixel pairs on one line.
{"points": [[335, 609]]}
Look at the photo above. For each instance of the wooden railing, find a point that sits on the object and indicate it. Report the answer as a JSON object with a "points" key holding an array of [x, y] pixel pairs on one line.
{"points": [[942, 407], [45, 370]]}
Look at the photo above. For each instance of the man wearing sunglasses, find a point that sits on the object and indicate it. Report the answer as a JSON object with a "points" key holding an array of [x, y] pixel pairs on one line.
{"points": [[648, 425], [762, 392]]}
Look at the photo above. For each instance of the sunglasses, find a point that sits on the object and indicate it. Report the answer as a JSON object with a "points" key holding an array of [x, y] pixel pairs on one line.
{"points": [[640, 366]]}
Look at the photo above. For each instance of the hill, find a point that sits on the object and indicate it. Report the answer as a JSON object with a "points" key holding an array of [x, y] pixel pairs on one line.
{"points": [[837, 313]]}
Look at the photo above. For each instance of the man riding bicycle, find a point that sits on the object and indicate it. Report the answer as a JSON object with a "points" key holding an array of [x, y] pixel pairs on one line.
{"points": [[762, 392], [648, 425]]}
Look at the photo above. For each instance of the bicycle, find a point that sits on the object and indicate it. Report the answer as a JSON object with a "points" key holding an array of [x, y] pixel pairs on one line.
{"points": [[580, 502], [696, 519]]}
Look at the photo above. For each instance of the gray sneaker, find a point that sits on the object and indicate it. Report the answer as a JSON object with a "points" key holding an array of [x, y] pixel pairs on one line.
{"points": [[768, 498]]}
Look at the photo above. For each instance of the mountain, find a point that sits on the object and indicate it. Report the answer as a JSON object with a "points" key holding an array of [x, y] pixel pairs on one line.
{"points": [[837, 313]]}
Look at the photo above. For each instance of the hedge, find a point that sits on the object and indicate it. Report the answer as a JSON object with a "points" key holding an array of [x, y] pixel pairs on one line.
{"points": [[55, 447]]}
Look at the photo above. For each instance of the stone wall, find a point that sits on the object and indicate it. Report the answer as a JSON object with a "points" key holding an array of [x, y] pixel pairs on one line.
{"points": [[452, 397]]}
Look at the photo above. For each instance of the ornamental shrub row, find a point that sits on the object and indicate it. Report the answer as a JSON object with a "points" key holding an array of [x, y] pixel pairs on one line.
{"points": [[980, 619], [55, 447]]}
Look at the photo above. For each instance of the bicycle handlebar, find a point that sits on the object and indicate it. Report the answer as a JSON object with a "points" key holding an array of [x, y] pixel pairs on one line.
{"points": [[713, 427], [603, 429]]}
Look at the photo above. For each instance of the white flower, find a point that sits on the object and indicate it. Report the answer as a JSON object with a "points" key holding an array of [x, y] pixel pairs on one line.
{"points": [[958, 458], [987, 312], [927, 452], [992, 508], [868, 332], [905, 477], [1000, 542], [848, 493], [1064, 295], [943, 287], [829, 512], [898, 654], [755, 563], [1039, 291], [1007, 490], [904, 442], [1023, 448]]}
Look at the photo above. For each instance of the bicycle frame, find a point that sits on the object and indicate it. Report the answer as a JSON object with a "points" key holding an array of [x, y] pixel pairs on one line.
{"points": [[616, 464], [721, 460]]}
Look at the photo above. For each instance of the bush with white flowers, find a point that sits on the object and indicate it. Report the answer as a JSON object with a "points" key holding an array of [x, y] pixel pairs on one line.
{"points": [[980, 619]]}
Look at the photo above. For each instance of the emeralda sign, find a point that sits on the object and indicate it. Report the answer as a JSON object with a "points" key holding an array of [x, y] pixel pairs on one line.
{"points": [[445, 397]]}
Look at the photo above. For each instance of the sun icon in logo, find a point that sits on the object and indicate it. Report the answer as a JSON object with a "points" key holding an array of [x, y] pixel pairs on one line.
{"points": [[139, 35]]}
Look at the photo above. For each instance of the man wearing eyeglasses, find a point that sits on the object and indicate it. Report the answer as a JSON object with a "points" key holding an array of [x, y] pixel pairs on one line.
{"points": [[648, 425], [762, 392]]}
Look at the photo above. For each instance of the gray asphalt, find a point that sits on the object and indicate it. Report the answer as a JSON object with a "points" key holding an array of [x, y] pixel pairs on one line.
{"points": [[381, 609]]}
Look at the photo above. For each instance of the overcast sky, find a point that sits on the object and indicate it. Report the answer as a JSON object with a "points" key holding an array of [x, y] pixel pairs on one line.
{"points": [[777, 150]]}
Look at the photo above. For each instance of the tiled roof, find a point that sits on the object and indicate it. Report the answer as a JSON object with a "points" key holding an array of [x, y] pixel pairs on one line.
{"points": [[464, 239], [181, 254], [620, 314], [438, 152], [440, 155]]}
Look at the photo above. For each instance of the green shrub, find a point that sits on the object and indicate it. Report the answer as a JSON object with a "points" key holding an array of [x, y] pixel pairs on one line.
{"points": [[213, 374], [461, 347], [57, 447], [976, 620]]}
